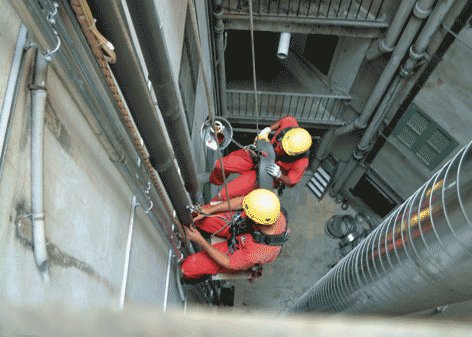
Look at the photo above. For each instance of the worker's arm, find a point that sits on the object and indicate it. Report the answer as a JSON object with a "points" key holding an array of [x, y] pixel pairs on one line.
{"points": [[264, 133], [294, 174], [286, 180], [275, 126], [234, 204], [220, 258]]}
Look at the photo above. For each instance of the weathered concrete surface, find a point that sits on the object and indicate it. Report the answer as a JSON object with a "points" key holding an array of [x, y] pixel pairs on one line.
{"points": [[446, 95], [87, 205], [172, 16]]}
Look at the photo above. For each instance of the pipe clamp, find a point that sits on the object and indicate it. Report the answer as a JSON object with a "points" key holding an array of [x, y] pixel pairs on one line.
{"points": [[384, 48], [414, 55], [421, 13]]}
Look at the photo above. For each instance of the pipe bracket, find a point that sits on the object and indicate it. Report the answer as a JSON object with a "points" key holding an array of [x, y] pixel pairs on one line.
{"points": [[421, 13], [49, 55], [414, 55], [358, 153], [38, 216], [384, 47], [163, 166]]}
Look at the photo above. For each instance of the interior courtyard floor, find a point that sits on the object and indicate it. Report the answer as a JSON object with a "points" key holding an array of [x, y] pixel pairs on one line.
{"points": [[304, 259]]}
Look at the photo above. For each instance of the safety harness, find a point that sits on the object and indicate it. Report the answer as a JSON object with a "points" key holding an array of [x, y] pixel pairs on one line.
{"points": [[243, 225]]}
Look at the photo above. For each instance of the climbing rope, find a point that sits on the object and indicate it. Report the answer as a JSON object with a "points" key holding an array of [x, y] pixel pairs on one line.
{"points": [[211, 108], [95, 41], [89, 24], [253, 60]]}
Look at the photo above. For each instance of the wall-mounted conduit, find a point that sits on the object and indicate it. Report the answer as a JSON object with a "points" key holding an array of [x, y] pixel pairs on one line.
{"points": [[38, 105], [420, 257]]}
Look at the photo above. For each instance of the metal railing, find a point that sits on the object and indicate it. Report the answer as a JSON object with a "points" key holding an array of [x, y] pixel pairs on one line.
{"points": [[308, 108], [364, 10]]}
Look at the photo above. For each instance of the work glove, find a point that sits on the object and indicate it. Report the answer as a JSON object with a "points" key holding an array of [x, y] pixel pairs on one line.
{"points": [[274, 171], [264, 134]]}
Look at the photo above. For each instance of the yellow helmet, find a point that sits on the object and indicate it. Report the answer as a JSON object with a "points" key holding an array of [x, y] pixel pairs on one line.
{"points": [[262, 206], [296, 141]]}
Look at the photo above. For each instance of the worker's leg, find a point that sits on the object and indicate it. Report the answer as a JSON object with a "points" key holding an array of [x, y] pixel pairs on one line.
{"points": [[214, 224], [238, 161], [238, 187], [201, 264]]}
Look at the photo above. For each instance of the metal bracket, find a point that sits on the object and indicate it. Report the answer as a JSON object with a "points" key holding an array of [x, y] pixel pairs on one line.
{"points": [[150, 207], [51, 17]]}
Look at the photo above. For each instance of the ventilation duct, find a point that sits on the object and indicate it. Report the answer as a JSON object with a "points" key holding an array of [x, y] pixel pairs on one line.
{"points": [[420, 257]]}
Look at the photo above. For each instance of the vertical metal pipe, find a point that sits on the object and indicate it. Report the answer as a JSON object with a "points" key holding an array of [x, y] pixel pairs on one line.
{"points": [[133, 84], [420, 257], [422, 10], [124, 280], [423, 40], [220, 49], [10, 92], [38, 105], [76, 67], [416, 53], [166, 290], [385, 44], [150, 32]]}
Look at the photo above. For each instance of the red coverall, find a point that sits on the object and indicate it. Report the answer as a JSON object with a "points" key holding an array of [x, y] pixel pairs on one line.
{"points": [[240, 161], [247, 254]]}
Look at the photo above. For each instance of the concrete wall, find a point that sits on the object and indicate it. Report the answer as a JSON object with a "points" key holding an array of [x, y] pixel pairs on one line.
{"points": [[446, 99], [172, 15], [87, 208]]}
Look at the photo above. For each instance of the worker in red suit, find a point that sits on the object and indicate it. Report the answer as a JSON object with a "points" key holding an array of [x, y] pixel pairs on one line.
{"points": [[291, 144], [254, 237]]}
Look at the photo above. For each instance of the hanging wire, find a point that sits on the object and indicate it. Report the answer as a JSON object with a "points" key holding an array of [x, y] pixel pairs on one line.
{"points": [[251, 27], [211, 108]]}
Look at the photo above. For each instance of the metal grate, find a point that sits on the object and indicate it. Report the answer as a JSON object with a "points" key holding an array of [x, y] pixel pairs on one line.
{"points": [[324, 109], [365, 10]]}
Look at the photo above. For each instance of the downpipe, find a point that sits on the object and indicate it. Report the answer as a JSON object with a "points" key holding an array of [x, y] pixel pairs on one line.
{"points": [[87, 86], [38, 104], [146, 19], [133, 83], [422, 9], [416, 53], [386, 44]]}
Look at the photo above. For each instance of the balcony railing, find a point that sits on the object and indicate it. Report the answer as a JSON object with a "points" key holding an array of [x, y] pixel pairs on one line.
{"points": [[358, 10], [307, 108]]}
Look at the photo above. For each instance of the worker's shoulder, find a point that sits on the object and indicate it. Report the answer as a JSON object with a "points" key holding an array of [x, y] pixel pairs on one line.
{"points": [[288, 120]]}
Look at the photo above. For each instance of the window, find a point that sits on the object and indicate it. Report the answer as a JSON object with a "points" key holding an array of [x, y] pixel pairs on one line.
{"points": [[373, 196], [188, 76], [423, 137]]}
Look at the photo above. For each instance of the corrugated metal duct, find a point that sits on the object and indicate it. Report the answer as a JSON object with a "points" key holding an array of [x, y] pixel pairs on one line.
{"points": [[420, 257]]}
